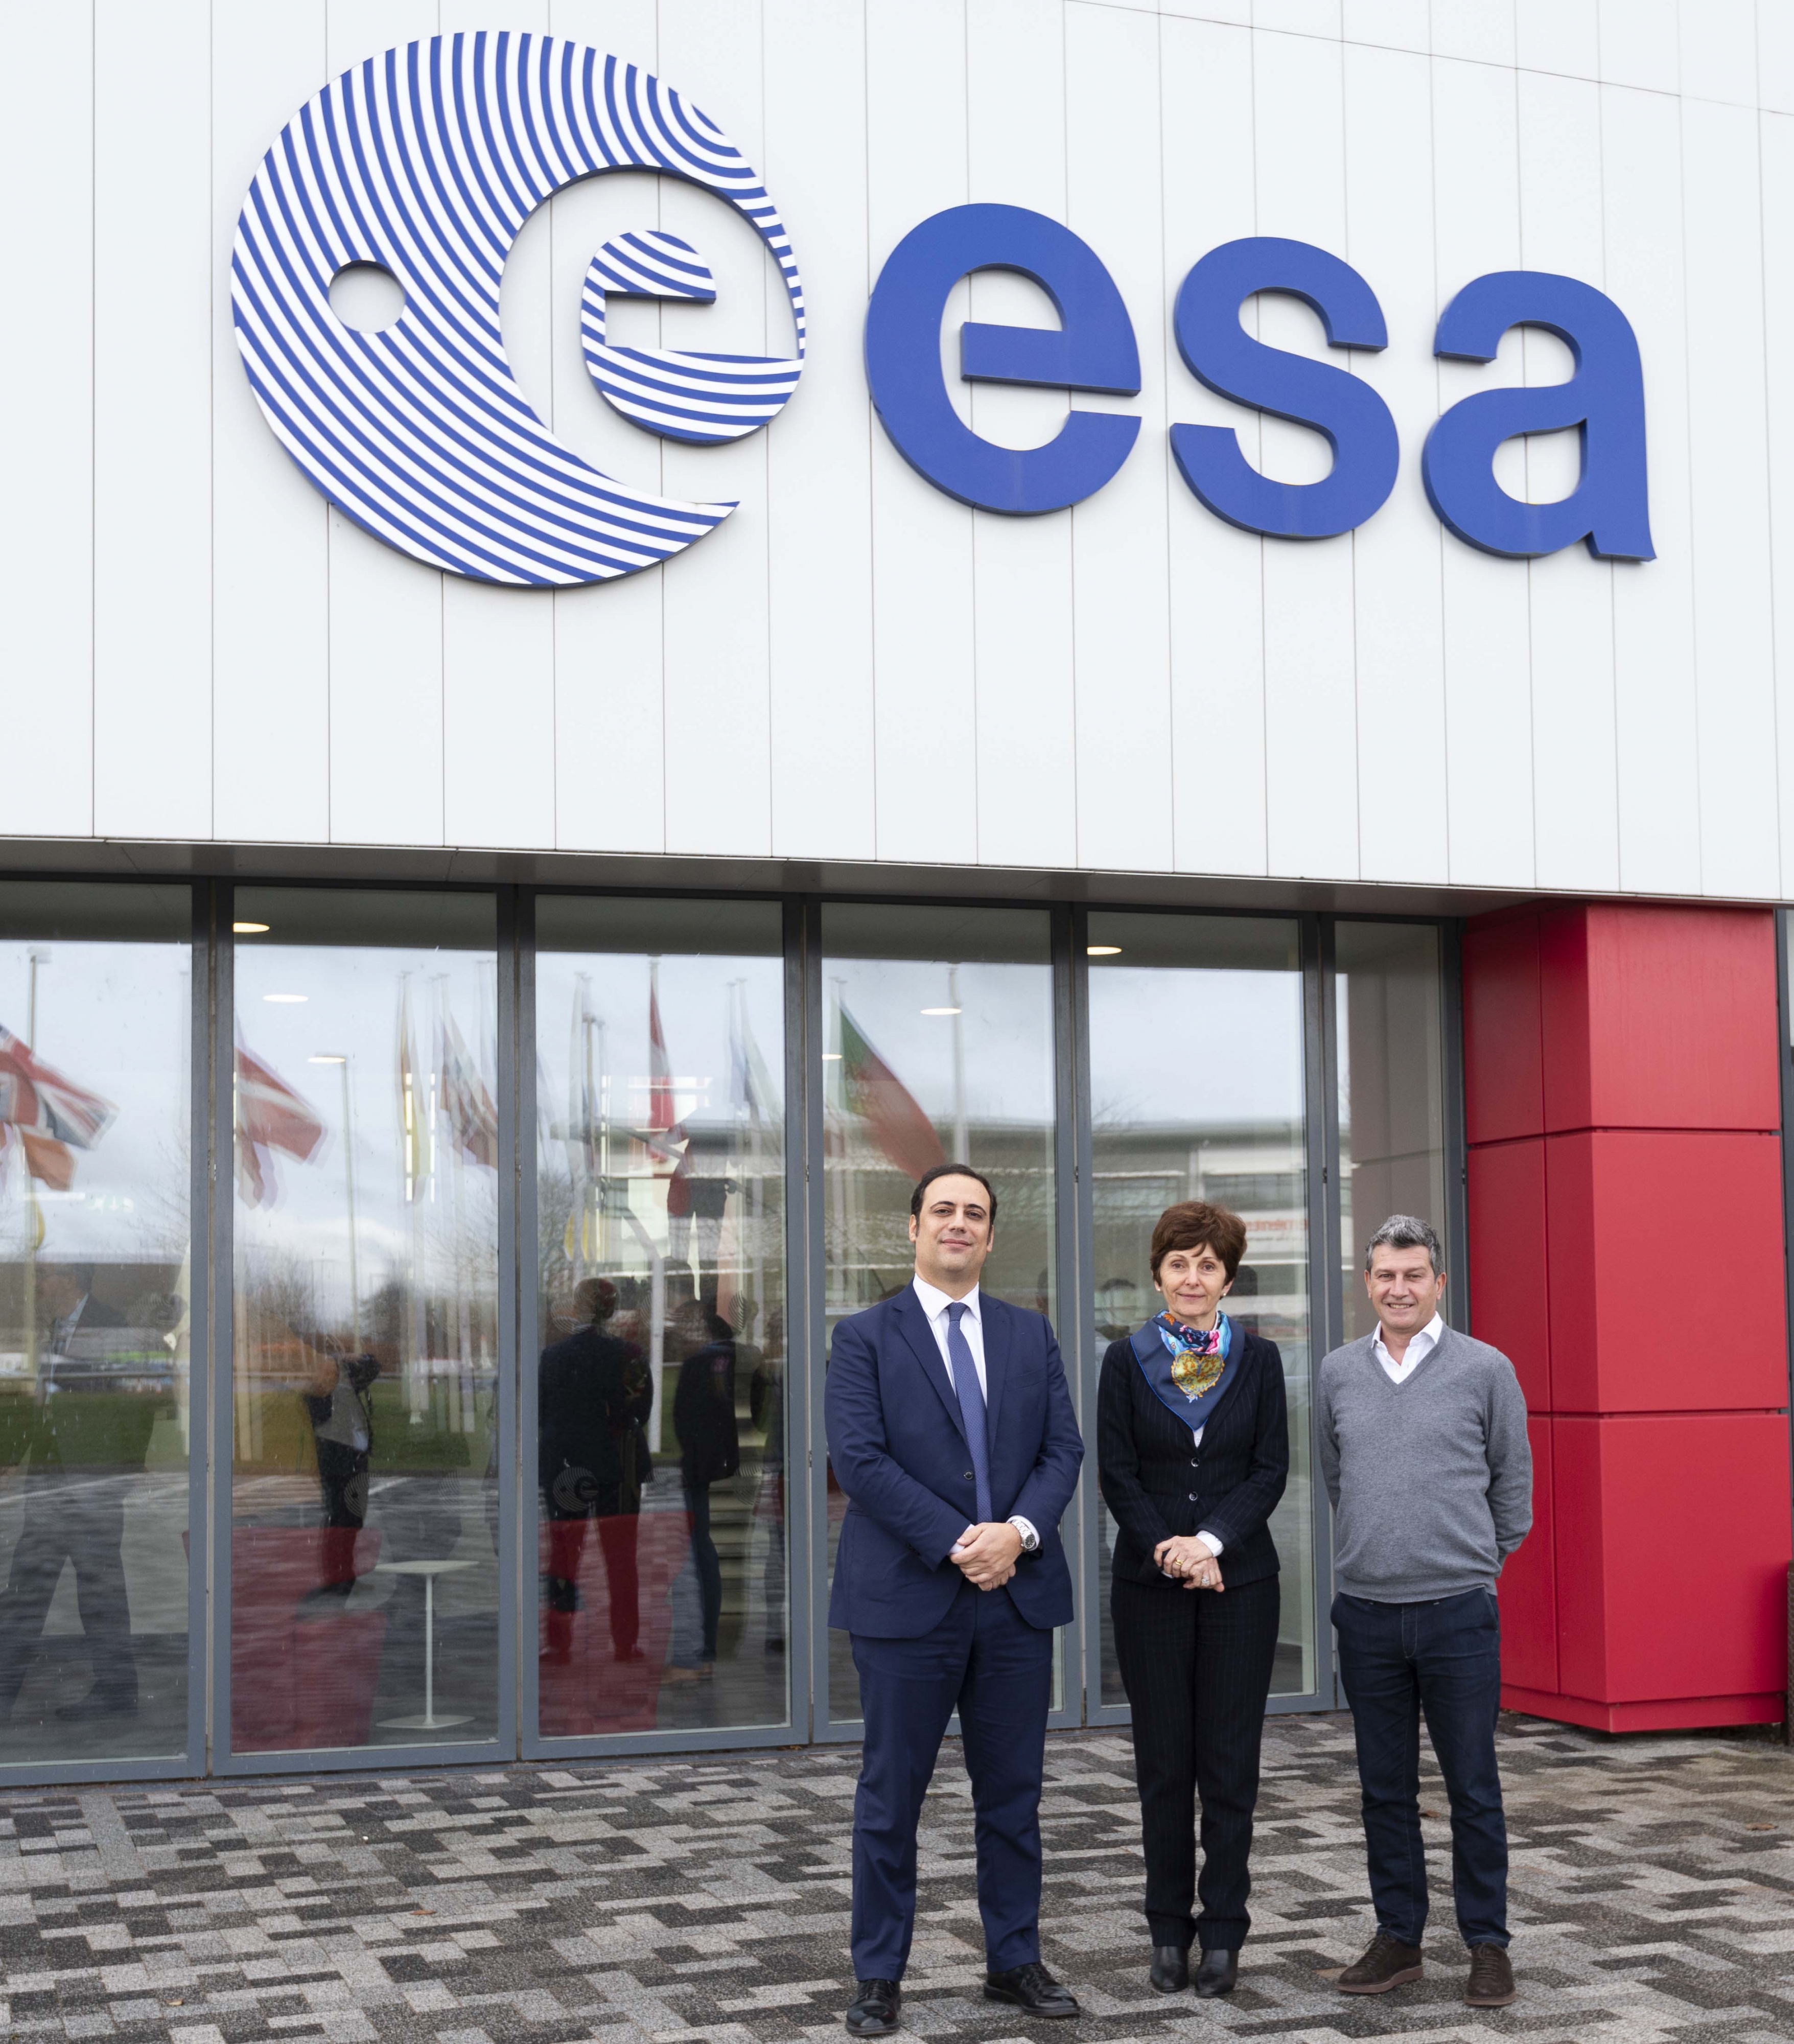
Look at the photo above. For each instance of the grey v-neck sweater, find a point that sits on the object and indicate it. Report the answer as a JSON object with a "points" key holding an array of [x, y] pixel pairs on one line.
{"points": [[1430, 1479]]}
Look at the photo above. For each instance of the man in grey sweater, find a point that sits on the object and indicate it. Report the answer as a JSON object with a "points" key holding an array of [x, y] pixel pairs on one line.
{"points": [[1424, 1448]]}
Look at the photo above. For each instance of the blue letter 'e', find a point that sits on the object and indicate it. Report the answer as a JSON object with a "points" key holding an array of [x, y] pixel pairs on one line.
{"points": [[1220, 352], [1609, 507], [1093, 350]]}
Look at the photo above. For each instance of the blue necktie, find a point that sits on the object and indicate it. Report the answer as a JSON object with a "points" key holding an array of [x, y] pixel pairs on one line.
{"points": [[971, 1404]]}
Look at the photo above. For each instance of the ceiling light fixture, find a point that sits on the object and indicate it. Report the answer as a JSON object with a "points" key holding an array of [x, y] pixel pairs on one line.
{"points": [[940, 1011], [327, 1058], [249, 929], [286, 1000], [1102, 951]]}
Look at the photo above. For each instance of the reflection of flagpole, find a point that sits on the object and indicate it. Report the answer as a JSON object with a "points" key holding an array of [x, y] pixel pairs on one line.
{"points": [[340, 1058], [960, 1153], [34, 1212]]}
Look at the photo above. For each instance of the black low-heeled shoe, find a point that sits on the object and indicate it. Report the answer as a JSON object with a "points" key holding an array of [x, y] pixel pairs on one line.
{"points": [[1219, 1973], [873, 2011], [1170, 1968]]}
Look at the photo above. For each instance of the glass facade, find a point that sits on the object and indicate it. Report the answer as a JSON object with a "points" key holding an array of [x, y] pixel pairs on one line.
{"points": [[414, 1304]]}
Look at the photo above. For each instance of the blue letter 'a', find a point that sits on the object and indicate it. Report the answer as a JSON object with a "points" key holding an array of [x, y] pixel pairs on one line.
{"points": [[1609, 507], [1225, 356], [1093, 349]]}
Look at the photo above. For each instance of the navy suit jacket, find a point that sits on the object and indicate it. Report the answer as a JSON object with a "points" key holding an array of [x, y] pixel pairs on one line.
{"points": [[897, 1442]]}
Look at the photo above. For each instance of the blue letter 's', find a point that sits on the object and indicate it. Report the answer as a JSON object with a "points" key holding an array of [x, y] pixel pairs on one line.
{"points": [[1609, 507], [1093, 350], [1224, 355]]}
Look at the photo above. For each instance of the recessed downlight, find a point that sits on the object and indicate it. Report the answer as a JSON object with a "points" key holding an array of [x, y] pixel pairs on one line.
{"points": [[940, 1011], [1102, 951], [249, 929]]}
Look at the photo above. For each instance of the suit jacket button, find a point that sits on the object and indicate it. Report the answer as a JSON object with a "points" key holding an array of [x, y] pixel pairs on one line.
{"points": [[969, 1477], [1192, 1497]]}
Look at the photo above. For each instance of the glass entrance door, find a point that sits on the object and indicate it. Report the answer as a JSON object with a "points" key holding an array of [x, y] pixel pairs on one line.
{"points": [[1199, 1051]]}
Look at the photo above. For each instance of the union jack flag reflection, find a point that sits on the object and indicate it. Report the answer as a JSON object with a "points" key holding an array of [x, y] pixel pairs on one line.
{"points": [[270, 1116], [53, 1117]]}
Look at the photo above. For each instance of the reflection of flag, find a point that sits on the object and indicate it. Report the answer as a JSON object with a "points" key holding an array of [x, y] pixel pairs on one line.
{"points": [[467, 1107], [54, 1115], [413, 1102], [270, 1115], [751, 1084], [667, 1138], [876, 1095]]}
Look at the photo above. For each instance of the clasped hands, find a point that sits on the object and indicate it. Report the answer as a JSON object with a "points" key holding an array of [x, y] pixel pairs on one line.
{"points": [[1189, 1558], [987, 1554]]}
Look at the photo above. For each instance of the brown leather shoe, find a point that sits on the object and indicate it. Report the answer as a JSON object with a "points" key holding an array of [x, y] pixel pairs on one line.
{"points": [[1386, 1963], [1491, 1978]]}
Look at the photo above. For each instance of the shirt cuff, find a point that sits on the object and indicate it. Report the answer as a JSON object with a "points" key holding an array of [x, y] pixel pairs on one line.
{"points": [[1031, 1540], [1211, 1543]]}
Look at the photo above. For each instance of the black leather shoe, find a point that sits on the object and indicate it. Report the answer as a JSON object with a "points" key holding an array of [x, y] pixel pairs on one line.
{"points": [[873, 2011], [1219, 1973], [1170, 1968], [1032, 1988]]}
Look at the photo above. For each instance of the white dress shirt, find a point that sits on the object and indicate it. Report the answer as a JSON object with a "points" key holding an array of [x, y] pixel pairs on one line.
{"points": [[1419, 1347], [935, 1304]]}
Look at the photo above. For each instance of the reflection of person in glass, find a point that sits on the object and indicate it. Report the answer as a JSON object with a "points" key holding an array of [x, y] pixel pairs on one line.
{"points": [[1193, 1453], [709, 1452], [593, 1395], [952, 1431], [85, 1441], [342, 1422]]}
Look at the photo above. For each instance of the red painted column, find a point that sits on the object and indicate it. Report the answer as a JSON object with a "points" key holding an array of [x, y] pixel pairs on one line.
{"points": [[1623, 1106]]}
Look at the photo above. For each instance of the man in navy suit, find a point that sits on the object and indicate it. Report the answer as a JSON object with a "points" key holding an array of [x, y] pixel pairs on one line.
{"points": [[952, 1430]]}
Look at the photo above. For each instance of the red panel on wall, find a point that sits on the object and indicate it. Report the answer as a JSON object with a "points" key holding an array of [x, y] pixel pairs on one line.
{"points": [[1527, 1587], [1508, 1305], [1673, 1537], [1659, 1018], [1504, 1072], [1623, 1337]]}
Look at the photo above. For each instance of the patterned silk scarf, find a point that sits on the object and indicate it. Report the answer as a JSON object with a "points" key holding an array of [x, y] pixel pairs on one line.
{"points": [[1187, 1370]]}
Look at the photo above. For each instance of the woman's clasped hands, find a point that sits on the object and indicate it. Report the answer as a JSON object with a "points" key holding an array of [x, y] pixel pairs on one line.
{"points": [[1189, 1559]]}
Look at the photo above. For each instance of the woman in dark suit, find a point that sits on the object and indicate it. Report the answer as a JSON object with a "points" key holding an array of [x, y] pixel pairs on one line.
{"points": [[1192, 1455]]}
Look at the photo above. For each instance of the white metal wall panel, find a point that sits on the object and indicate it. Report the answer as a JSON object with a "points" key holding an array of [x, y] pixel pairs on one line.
{"points": [[1121, 559], [1398, 616], [1657, 724], [854, 665], [1575, 799], [270, 762], [1216, 571], [47, 433], [1026, 717], [153, 280], [1728, 427], [1487, 641]]}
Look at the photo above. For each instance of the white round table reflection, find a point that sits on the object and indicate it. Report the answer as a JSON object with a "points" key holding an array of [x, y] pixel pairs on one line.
{"points": [[429, 1571]]}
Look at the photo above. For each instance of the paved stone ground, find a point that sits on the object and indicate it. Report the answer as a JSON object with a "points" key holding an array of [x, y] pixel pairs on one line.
{"points": [[673, 1901]]}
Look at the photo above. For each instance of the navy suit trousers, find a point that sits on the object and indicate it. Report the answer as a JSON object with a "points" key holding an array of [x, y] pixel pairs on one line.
{"points": [[987, 1661]]}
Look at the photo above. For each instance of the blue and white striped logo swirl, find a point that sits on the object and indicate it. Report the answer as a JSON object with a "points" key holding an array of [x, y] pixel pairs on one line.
{"points": [[427, 161], [708, 398]]}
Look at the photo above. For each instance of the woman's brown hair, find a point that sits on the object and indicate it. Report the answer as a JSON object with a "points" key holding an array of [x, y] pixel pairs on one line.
{"points": [[1196, 1224]]}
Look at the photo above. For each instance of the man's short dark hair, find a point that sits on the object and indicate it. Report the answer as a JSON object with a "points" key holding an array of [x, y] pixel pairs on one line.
{"points": [[951, 1171], [1406, 1232]]}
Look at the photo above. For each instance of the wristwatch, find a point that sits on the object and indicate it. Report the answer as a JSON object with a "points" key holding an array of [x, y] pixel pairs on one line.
{"points": [[1031, 1540]]}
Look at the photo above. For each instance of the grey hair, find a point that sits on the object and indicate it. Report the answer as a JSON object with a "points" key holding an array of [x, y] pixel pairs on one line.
{"points": [[1406, 1232]]}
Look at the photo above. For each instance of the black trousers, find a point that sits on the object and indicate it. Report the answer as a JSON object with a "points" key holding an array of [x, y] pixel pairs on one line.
{"points": [[1196, 1666]]}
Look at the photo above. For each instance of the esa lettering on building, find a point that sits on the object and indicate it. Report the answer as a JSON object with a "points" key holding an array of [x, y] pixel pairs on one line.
{"points": [[1093, 349], [425, 161]]}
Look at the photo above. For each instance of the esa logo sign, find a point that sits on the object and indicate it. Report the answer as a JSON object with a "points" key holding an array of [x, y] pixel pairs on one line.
{"points": [[1093, 350], [427, 161]]}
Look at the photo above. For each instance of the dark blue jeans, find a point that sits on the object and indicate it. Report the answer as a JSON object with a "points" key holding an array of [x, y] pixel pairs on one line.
{"points": [[1397, 1660]]}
